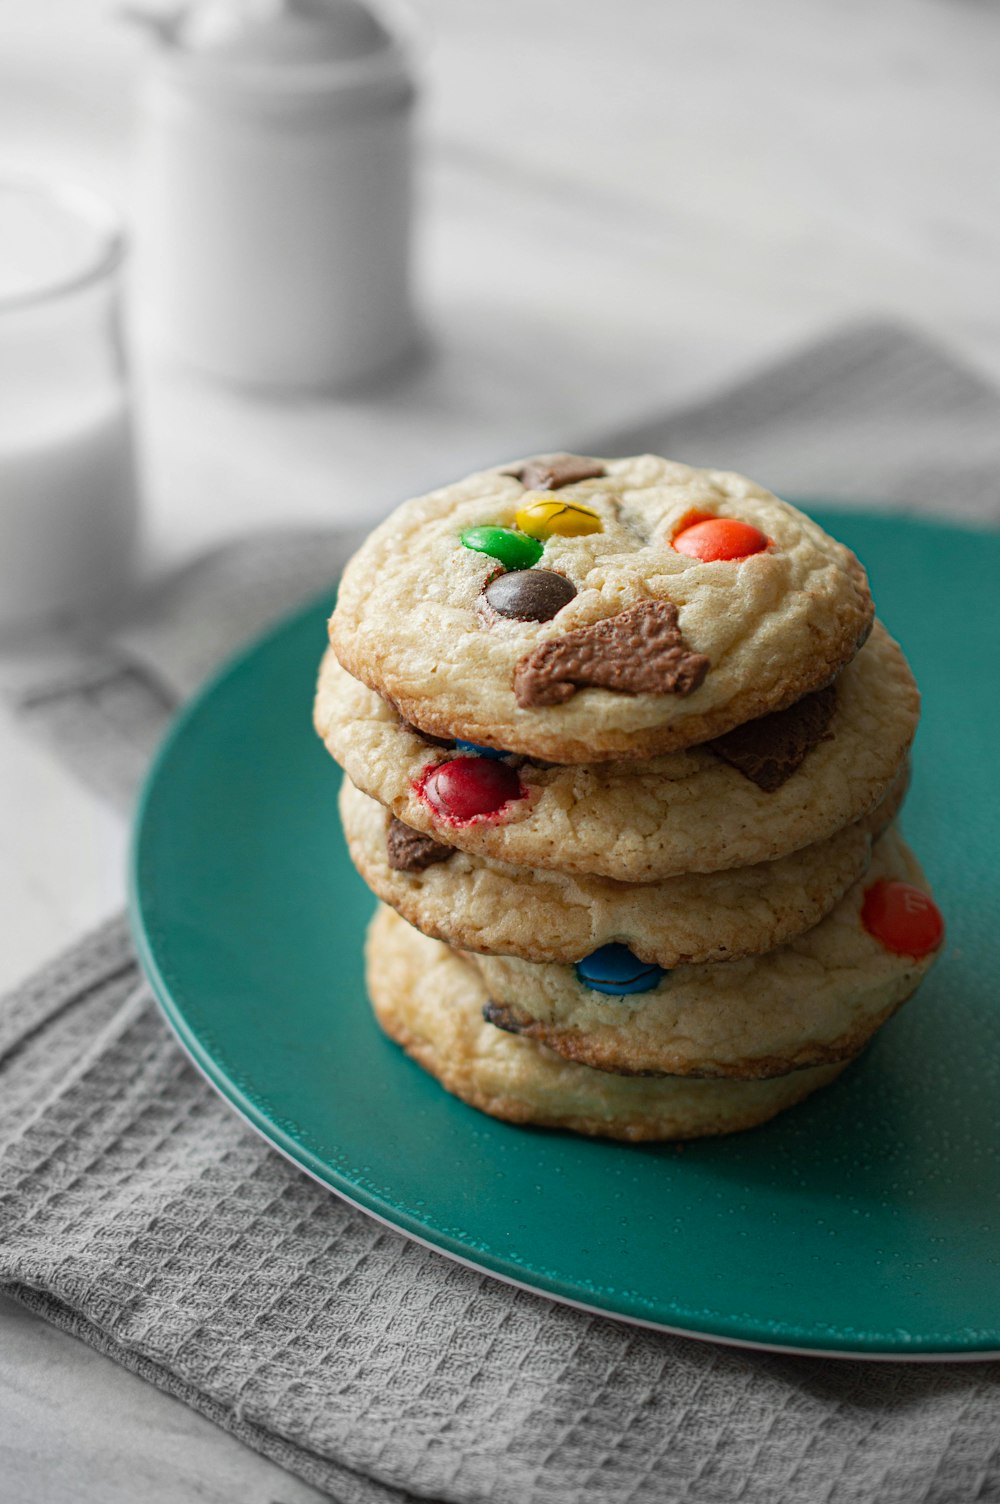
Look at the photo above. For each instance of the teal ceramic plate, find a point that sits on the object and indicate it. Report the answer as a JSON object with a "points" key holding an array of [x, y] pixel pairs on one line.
{"points": [[866, 1221]]}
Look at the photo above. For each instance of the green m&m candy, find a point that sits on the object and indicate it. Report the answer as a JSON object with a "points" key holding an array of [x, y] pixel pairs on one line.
{"points": [[514, 550]]}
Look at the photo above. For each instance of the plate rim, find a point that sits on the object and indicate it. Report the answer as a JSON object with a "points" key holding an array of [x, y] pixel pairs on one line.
{"points": [[868, 1346]]}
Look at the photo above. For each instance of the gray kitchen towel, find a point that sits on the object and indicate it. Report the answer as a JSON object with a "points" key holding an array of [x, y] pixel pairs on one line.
{"points": [[139, 1213], [872, 414]]}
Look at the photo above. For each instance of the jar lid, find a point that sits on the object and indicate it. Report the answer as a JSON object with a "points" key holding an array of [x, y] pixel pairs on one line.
{"points": [[282, 33], [281, 55]]}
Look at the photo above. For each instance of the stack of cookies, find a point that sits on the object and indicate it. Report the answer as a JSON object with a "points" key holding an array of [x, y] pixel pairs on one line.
{"points": [[624, 747]]}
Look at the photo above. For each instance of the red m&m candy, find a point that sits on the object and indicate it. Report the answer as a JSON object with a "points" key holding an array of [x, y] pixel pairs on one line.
{"points": [[716, 538], [469, 787], [902, 918]]}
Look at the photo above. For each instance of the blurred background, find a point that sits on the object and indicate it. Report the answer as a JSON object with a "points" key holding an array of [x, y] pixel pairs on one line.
{"points": [[617, 207]]}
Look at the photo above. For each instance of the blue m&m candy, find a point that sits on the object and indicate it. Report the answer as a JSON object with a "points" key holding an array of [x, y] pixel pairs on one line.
{"points": [[480, 751], [614, 969]]}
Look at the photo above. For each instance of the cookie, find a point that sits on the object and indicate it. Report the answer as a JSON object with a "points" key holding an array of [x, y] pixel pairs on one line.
{"points": [[814, 1001], [629, 608], [643, 820], [430, 1001], [475, 903]]}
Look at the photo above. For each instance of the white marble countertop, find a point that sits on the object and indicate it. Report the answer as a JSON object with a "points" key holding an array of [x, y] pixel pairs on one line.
{"points": [[620, 207]]}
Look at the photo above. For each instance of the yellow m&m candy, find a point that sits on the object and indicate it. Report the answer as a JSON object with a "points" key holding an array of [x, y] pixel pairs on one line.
{"points": [[548, 517]]}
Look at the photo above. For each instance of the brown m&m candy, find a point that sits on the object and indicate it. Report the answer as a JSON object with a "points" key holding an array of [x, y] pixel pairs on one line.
{"points": [[529, 594]]}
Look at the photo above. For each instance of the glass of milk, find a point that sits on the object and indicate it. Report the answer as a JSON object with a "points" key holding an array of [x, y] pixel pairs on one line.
{"points": [[67, 474]]}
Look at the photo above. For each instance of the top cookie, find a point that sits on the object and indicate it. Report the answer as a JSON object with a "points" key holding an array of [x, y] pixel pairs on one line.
{"points": [[640, 608]]}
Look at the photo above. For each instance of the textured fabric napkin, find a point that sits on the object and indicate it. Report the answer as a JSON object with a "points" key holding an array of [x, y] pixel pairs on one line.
{"points": [[139, 1213]]}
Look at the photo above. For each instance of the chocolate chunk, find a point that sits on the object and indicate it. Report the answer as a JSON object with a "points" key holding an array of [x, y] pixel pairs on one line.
{"points": [[768, 750], [547, 472], [409, 851], [529, 594], [640, 651], [501, 1017]]}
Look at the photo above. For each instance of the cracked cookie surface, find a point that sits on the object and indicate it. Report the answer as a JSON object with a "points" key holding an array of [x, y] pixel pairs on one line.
{"points": [[756, 632], [475, 903], [642, 820], [811, 1002], [430, 1001]]}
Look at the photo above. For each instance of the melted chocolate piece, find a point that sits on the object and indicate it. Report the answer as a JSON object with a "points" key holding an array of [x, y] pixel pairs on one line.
{"points": [[547, 472], [770, 749], [501, 1016], [639, 651], [409, 851], [529, 594]]}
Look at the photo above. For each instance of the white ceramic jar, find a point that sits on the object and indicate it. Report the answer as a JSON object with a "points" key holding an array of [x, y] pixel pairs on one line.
{"points": [[273, 199]]}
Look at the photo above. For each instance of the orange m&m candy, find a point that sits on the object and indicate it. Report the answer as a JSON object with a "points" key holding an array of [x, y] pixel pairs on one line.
{"points": [[720, 538], [902, 918]]}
